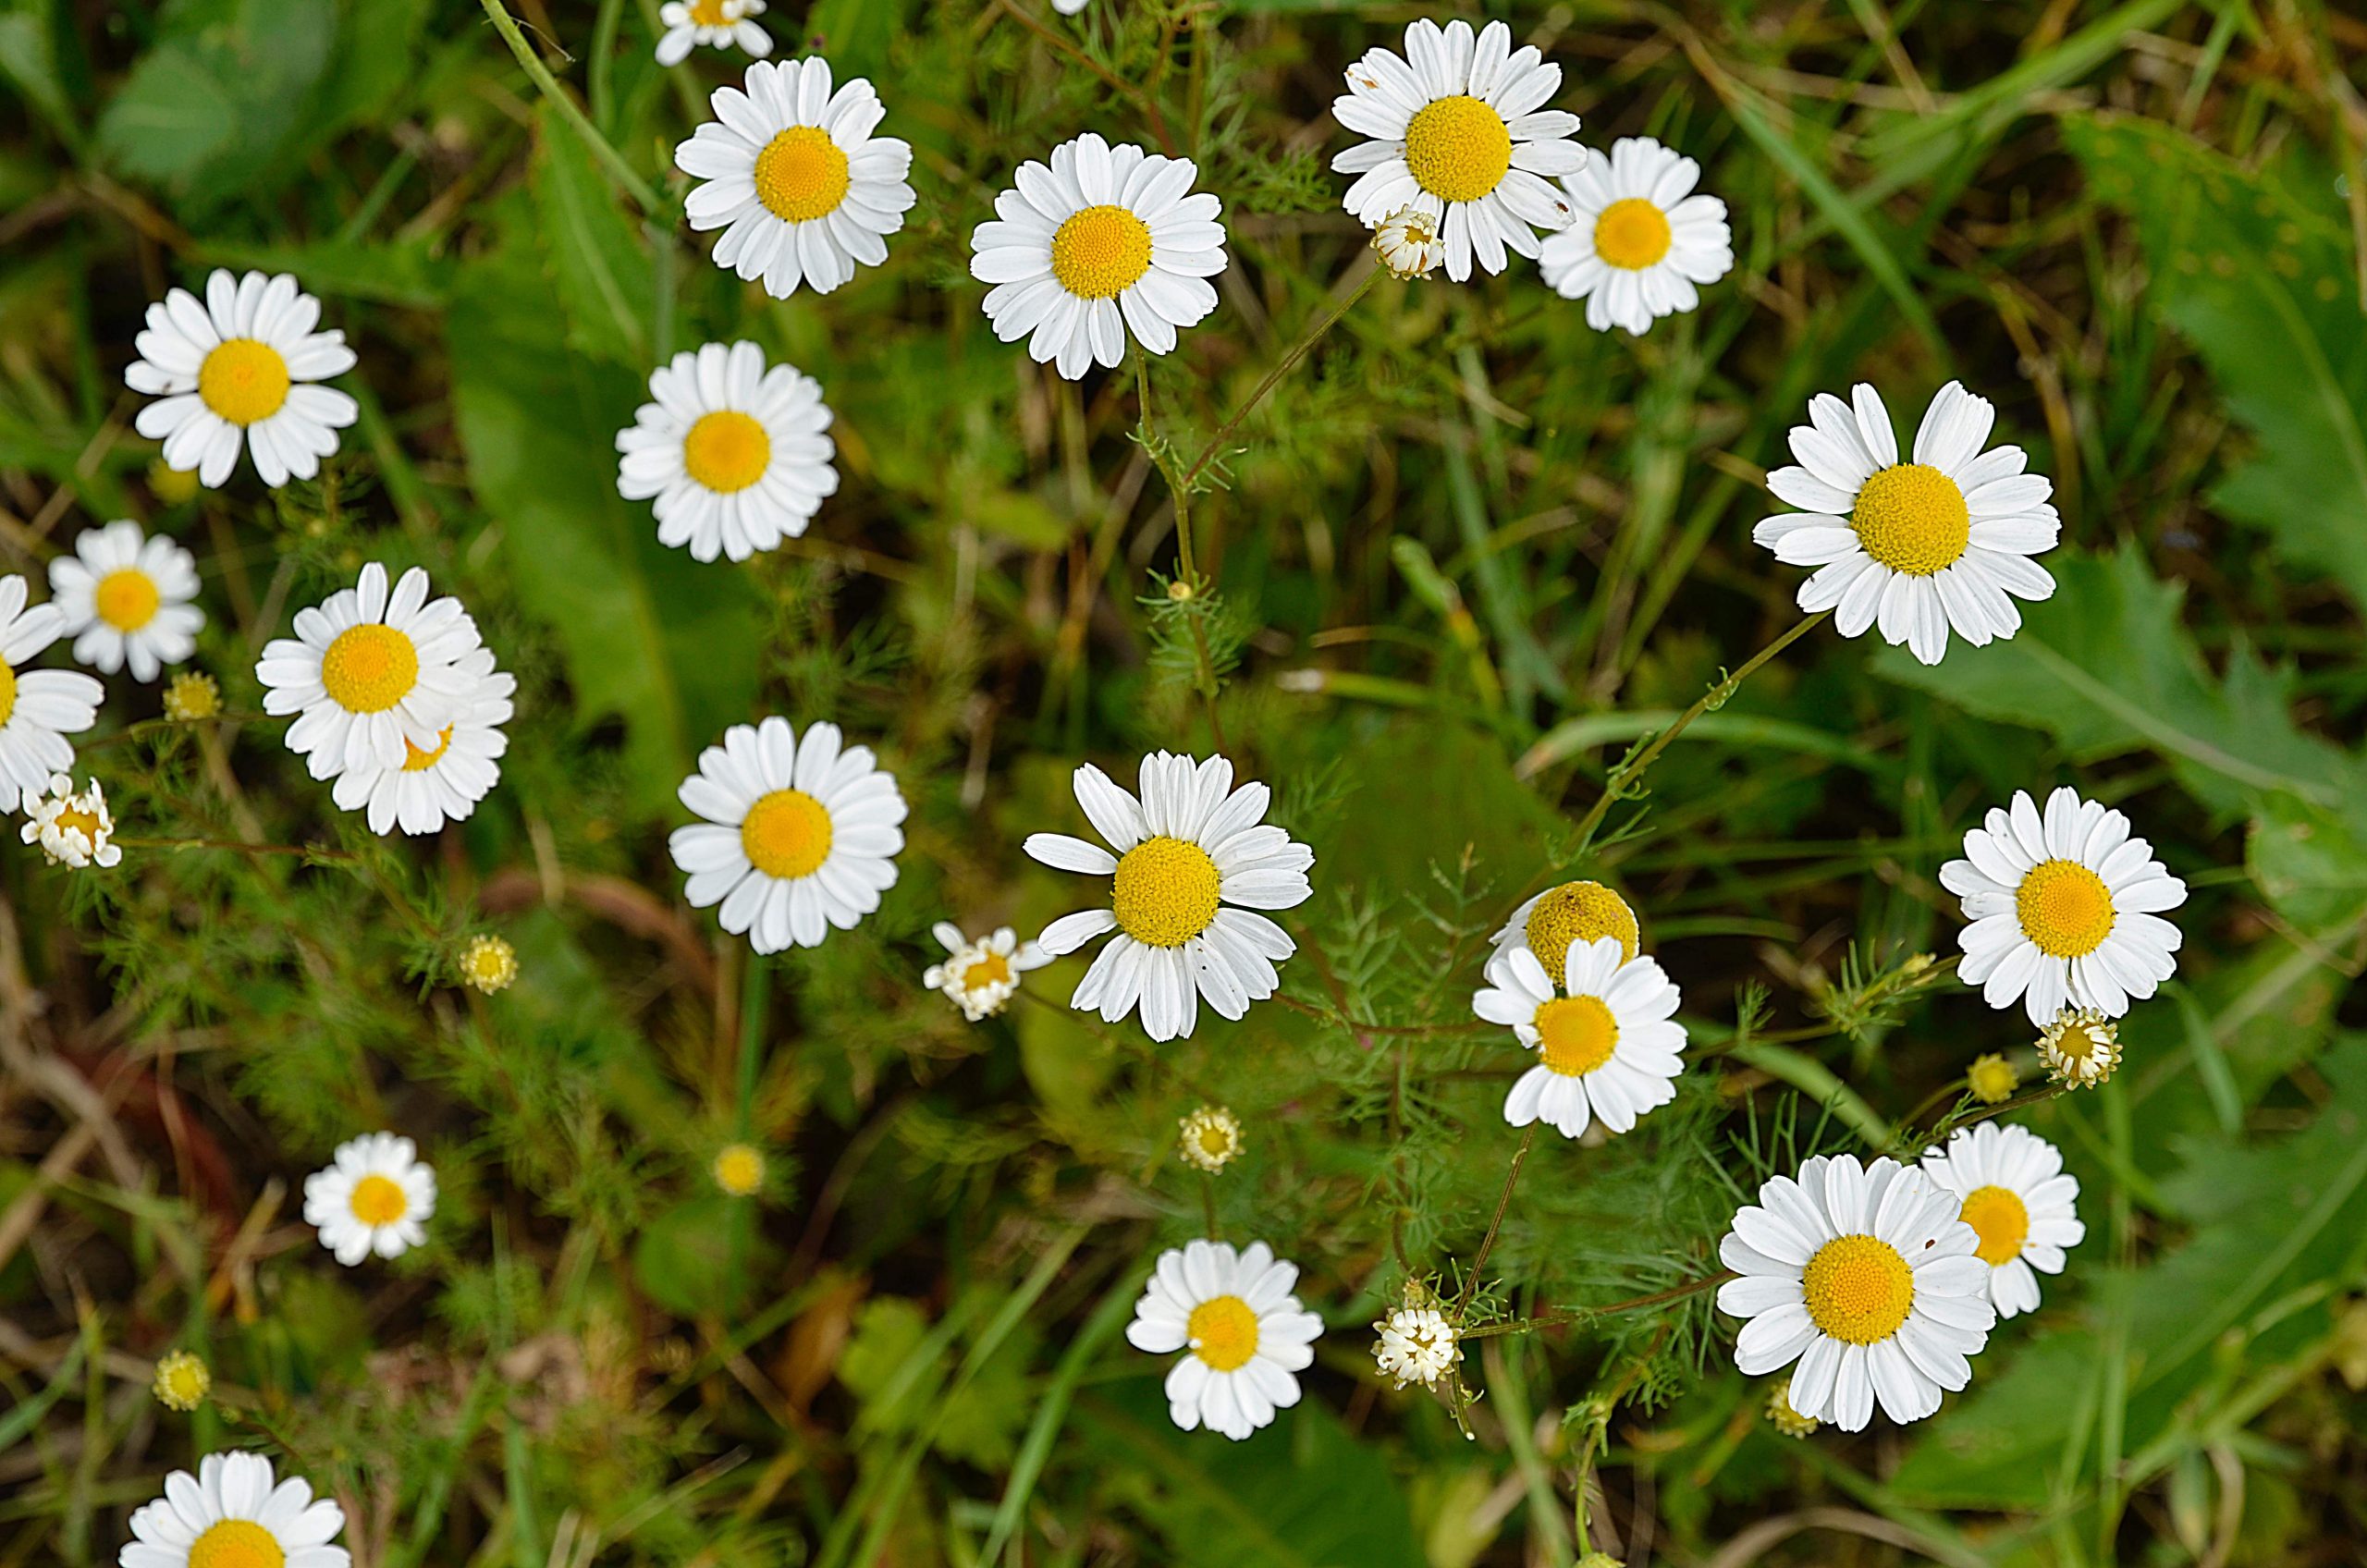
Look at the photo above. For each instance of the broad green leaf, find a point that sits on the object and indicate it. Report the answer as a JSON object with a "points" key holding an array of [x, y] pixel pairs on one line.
{"points": [[2311, 862], [605, 285], [207, 112]]}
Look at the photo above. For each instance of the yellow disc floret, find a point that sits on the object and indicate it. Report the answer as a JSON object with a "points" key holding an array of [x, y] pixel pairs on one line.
{"points": [[127, 599], [2081, 1047], [2001, 1219], [8, 691], [1992, 1079], [990, 968], [1913, 519], [1165, 893], [243, 380], [1631, 233], [2065, 908], [708, 13], [802, 175], [1858, 1290], [739, 1169], [1223, 1332], [378, 1200], [1579, 1034], [370, 668], [1578, 912], [236, 1543], [1100, 252], [727, 451], [181, 1381], [786, 834], [191, 695], [1458, 148], [490, 964]]}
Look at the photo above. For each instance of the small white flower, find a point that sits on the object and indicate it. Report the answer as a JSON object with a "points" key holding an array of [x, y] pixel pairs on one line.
{"points": [[126, 600], [236, 372], [737, 455], [230, 1515], [1866, 1276], [37, 707], [370, 677], [1607, 1036], [802, 190], [2081, 1048], [800, 835], [1193, 867], [1103, 242], [1409, 243], [981, 976], [73, 829], [1242, 1330], [2017, 1200], [1416, 1345], [723, 23], [1640, 240], [374, 1197], [442, 783], [2065, 908], [1460, 131], [1916, 547]]}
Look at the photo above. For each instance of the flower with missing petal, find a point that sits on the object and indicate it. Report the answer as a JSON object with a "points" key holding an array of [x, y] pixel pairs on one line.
{"points": [[724, 24], [980, 977]]}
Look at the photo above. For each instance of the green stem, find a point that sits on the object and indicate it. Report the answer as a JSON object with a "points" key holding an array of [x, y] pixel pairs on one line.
{"points": [[1297, 353], [622, 172], [1487, 1242], [1553, 1316]]}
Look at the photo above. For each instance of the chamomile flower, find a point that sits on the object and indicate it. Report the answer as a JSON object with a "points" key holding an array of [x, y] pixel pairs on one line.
{"points": [[1409, 243], [374, 1197], [489, 964], [1867, 1276], [1992, 1079], [190, 696], [1578, 913], [1191, 867], [442, 782], [981, 976], [2081, 1048], [1070, 7], [181, 1381], [2017, 1200], [1640, 240], [1460, 131], [126, 600], [371, 676], [1208, 1138], [73, 828], [1917, 547], [1782, 1417], [737, 455], [231, 1515], [1103, 242], [723, 23], [37, 707], [800, 834], [1243, 1332], [1607, 1036], [1416, 1345], [2065, 908], [238, 372], [802, 190]]}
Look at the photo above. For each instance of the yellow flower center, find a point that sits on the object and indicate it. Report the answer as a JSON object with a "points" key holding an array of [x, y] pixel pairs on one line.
{"points": [[370, 668], [192, 696], [8, 691], [786, 834], [2076, 1044], [378, 1200], [1631, 233], [1912, 518], [726, 450], [417, 761], [1216, 1141], [2065, 908], [1858, 1290], [1223, 1332], [991, 969], [1458, 148], [802, 175], [126, 600], [236, 1543], [1578, 1033], [74, 818], [182, 1380], [1101, 253], [1578, 912], [243, 380], [708, 13], [1992, 1079], [739, 1170], [1165, 893], [2002, 1222]]}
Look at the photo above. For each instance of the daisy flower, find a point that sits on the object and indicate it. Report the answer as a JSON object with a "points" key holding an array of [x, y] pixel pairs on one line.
{"points": [[736, 455], [230, 1515], [981, 976], [1192, 868], [1242, 1330], [37, 707], [237, 372], [1577, 912], [1416, 1345], [1868, 1278], [1409, 244], [799, 836], [1208, 1138], [2065, 908], [1608, 1037], [2017, 1200], [1104, 243], [1916, 547], [2081, 1048], [1638, 241], [373, 1196], [126, 600], [489, 964], [371, 676], [442, 782], [722, 23], [1460, 133], [802, 190], [73, 829]]}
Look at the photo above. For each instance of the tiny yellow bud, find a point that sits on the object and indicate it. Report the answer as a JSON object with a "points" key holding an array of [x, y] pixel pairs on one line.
{"points": [[740, 1170], [490, 964], [172, 485], [1992, 1079], [182, 1381], [1179, 591], [191, 696]]}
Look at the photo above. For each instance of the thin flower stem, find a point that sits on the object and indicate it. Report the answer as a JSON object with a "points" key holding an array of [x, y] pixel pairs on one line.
{"points": [[1116, 83], [1208, 1203], [634, 186], [1554, 1316], [150, 725], [1297, 353], [1503, 1202]]}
